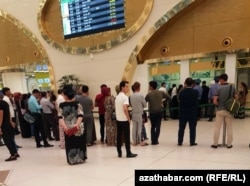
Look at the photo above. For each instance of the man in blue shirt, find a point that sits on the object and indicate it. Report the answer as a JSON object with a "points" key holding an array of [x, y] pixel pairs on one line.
{"points": [[198, 87], [212, 91], [35, 110]]}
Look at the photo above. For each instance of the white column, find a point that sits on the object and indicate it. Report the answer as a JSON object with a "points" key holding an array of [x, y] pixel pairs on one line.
{"points": [[230, 67], [184, 70], [142, 76]]}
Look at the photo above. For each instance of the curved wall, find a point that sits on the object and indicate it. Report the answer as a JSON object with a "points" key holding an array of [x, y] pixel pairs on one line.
{"points": [[20, 49], [106, 67], [50, 25]]}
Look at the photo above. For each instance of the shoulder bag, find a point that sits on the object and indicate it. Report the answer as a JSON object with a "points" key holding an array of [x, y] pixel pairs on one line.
{"points": [[29, 118], [232, 105]]}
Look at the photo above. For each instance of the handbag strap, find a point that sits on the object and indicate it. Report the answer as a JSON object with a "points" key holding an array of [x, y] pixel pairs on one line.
{"points": [[230, 90]]}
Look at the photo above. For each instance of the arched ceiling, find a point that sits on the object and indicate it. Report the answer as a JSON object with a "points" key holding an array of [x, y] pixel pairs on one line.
{"points": [[20, 50], [194, 28], [203, 26], [18, 44]]}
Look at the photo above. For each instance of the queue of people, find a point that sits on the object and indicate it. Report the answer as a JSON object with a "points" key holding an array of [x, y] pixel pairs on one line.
{"points": [[17, 105], [74, 127]]}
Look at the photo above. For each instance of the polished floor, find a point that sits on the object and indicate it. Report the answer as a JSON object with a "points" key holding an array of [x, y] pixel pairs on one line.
{"points": [[47, 166]]}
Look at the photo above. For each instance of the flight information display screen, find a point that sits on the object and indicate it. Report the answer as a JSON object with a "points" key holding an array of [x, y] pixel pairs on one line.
{"points": [[84, 17]]}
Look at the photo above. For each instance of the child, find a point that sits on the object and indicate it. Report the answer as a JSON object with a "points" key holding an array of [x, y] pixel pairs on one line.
{"points": [[143, 131]]}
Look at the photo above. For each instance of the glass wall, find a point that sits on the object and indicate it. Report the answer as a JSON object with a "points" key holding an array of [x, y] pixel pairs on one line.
{"points": [[243, 68], [167, 71], [35, 75], [205, 69], [169, 79]]}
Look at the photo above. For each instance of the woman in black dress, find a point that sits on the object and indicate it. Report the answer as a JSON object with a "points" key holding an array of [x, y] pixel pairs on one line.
{"points": [[70, 116]]}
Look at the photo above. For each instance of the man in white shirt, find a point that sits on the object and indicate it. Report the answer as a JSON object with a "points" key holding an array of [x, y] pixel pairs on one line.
{"points": [[164, 102], [123, 119], [7, 98], [60, 98]]}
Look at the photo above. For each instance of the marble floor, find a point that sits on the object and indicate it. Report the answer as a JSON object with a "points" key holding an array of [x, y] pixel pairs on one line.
{"points": [[48, 166]]}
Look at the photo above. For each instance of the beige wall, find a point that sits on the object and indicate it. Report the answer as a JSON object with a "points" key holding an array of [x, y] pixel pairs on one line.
{"points": [[16, 81]]}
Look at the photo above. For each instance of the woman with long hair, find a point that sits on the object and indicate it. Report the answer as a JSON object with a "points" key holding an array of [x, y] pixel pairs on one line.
{"points": [[110, 120], [242, 97]]}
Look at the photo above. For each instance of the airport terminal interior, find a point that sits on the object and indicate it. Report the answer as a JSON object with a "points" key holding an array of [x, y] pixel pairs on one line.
{"points": [[162, 40]]}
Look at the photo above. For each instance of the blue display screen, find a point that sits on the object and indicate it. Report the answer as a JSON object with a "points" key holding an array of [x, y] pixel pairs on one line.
{"points": [[85, 17]]}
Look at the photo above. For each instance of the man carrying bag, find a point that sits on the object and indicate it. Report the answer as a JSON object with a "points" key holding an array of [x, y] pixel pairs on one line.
{"points": [[222, 115], [35, 110]]}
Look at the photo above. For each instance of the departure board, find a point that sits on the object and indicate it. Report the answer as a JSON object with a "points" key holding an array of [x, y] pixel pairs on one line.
{"points": [[84, 17]]}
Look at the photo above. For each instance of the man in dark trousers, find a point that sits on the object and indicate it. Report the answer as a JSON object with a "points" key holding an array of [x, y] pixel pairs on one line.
{"points": [[204, 99], [188, 107], [99, 102], [154, 99], [123, 119], [7, 130], [35, 110]]}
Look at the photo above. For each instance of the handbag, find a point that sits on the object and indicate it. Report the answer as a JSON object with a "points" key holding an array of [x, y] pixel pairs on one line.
{"points": [[29, 118], [75, 130], [71, 131], [232, 105]]}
